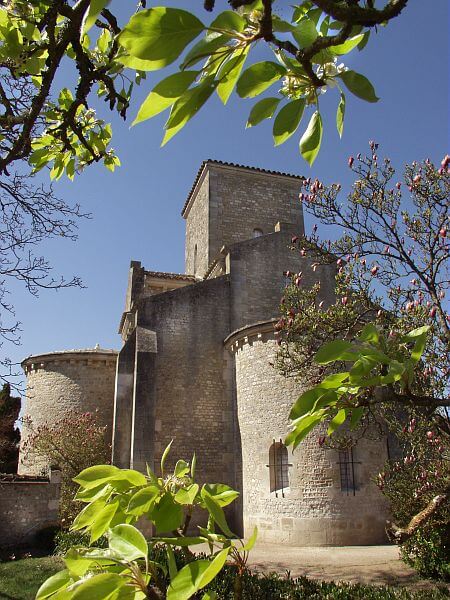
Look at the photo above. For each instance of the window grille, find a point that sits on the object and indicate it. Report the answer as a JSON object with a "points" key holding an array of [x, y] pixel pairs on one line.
{"points": [[278, 468], [347, 471]]}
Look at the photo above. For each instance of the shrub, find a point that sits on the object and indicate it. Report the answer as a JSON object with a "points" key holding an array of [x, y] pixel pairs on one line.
{"points": [[428, 551], [412, 484], [64, 539], [71, 445]]}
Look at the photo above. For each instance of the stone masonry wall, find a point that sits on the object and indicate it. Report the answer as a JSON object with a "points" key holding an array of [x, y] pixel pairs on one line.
{"points": [[197, 233], [62, 382], [27, 507], [230, 203], [242, 200], [257, 280], [314, 510], [192, 385]]}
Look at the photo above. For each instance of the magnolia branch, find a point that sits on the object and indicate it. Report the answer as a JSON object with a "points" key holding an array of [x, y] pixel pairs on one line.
{"points": [[399, 535]]}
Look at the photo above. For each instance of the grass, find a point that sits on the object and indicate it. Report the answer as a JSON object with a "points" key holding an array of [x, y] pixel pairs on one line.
{"points": [[21, 579]]}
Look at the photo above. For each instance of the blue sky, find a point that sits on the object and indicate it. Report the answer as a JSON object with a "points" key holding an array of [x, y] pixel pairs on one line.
{"points": [[136, 210]]}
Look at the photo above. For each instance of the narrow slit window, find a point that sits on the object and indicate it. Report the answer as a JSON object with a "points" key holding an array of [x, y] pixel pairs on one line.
{"points": [[347, 471], [195, 259], [278, 467]]}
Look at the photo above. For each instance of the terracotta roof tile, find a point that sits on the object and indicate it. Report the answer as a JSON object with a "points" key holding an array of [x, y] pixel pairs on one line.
{"points": [[178, 276]]}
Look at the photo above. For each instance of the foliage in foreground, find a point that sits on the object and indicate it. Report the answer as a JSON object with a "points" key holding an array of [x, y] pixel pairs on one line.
{"points": [[71, 444], [302, 54], [21, 579], [115, 500]]}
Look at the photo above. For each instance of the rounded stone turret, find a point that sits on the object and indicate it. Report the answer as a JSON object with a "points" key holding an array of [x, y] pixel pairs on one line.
{"points": [[59, 382], [310, 496]]}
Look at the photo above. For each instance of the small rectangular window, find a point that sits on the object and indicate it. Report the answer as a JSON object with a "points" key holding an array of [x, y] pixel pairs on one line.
{"points": [[347, 471]]}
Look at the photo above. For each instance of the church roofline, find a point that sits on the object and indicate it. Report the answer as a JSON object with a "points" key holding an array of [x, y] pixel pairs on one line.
{"points": [[91, 353], [250, 331], [222, 163], [162, 275]]}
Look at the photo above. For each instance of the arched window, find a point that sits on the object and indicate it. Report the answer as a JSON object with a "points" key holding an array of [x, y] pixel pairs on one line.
{"points": [[257, 233], [278, 467], [195, 259]]}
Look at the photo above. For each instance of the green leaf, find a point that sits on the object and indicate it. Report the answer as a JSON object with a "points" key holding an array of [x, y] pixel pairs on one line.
{"points": [[359, 85], [167, 515], [102, 520], [94, 476], [164, 94], [187, 106], [305, 402], [340, 114], [348, 45], [369, 334], [54, 584], [187, 496], [216, 512], [171, 561], [263, 109], [312, 138], [258, 78], [135, 478], [335, 350], [164, 456], [100, 587], [416, 332], [287, 120], [230, 21], [356, 416], [143, 500], [305, 33], [419, 347], [195, 576], [181, 469], [95, 8], [334, 381], [302, 427], [128, 542], [281, 25], [159, 35], [87, 516], [223, 494], [337, 420], [250, 542], [229, 74], [204, 48]]}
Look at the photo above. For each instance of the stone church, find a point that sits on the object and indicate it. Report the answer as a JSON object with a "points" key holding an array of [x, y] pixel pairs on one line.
{"points": [[196, 366]]}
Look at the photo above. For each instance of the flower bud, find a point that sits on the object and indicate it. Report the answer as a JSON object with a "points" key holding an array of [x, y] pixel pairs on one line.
{"points": [[350, 161], [344, 301]]}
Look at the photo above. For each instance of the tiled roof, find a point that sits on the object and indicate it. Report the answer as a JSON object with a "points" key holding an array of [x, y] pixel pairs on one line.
{"points": [[178, 276], [230, 164]]}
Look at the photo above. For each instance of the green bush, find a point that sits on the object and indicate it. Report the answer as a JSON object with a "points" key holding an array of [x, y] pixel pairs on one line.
{"points": [[428, 551], [275, 587], [65, 539]]}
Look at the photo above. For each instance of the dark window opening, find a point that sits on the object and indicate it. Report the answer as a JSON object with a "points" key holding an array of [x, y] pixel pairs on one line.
{"points": [[195, 260], [257, 233], [278, 468], [347, 471]]}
